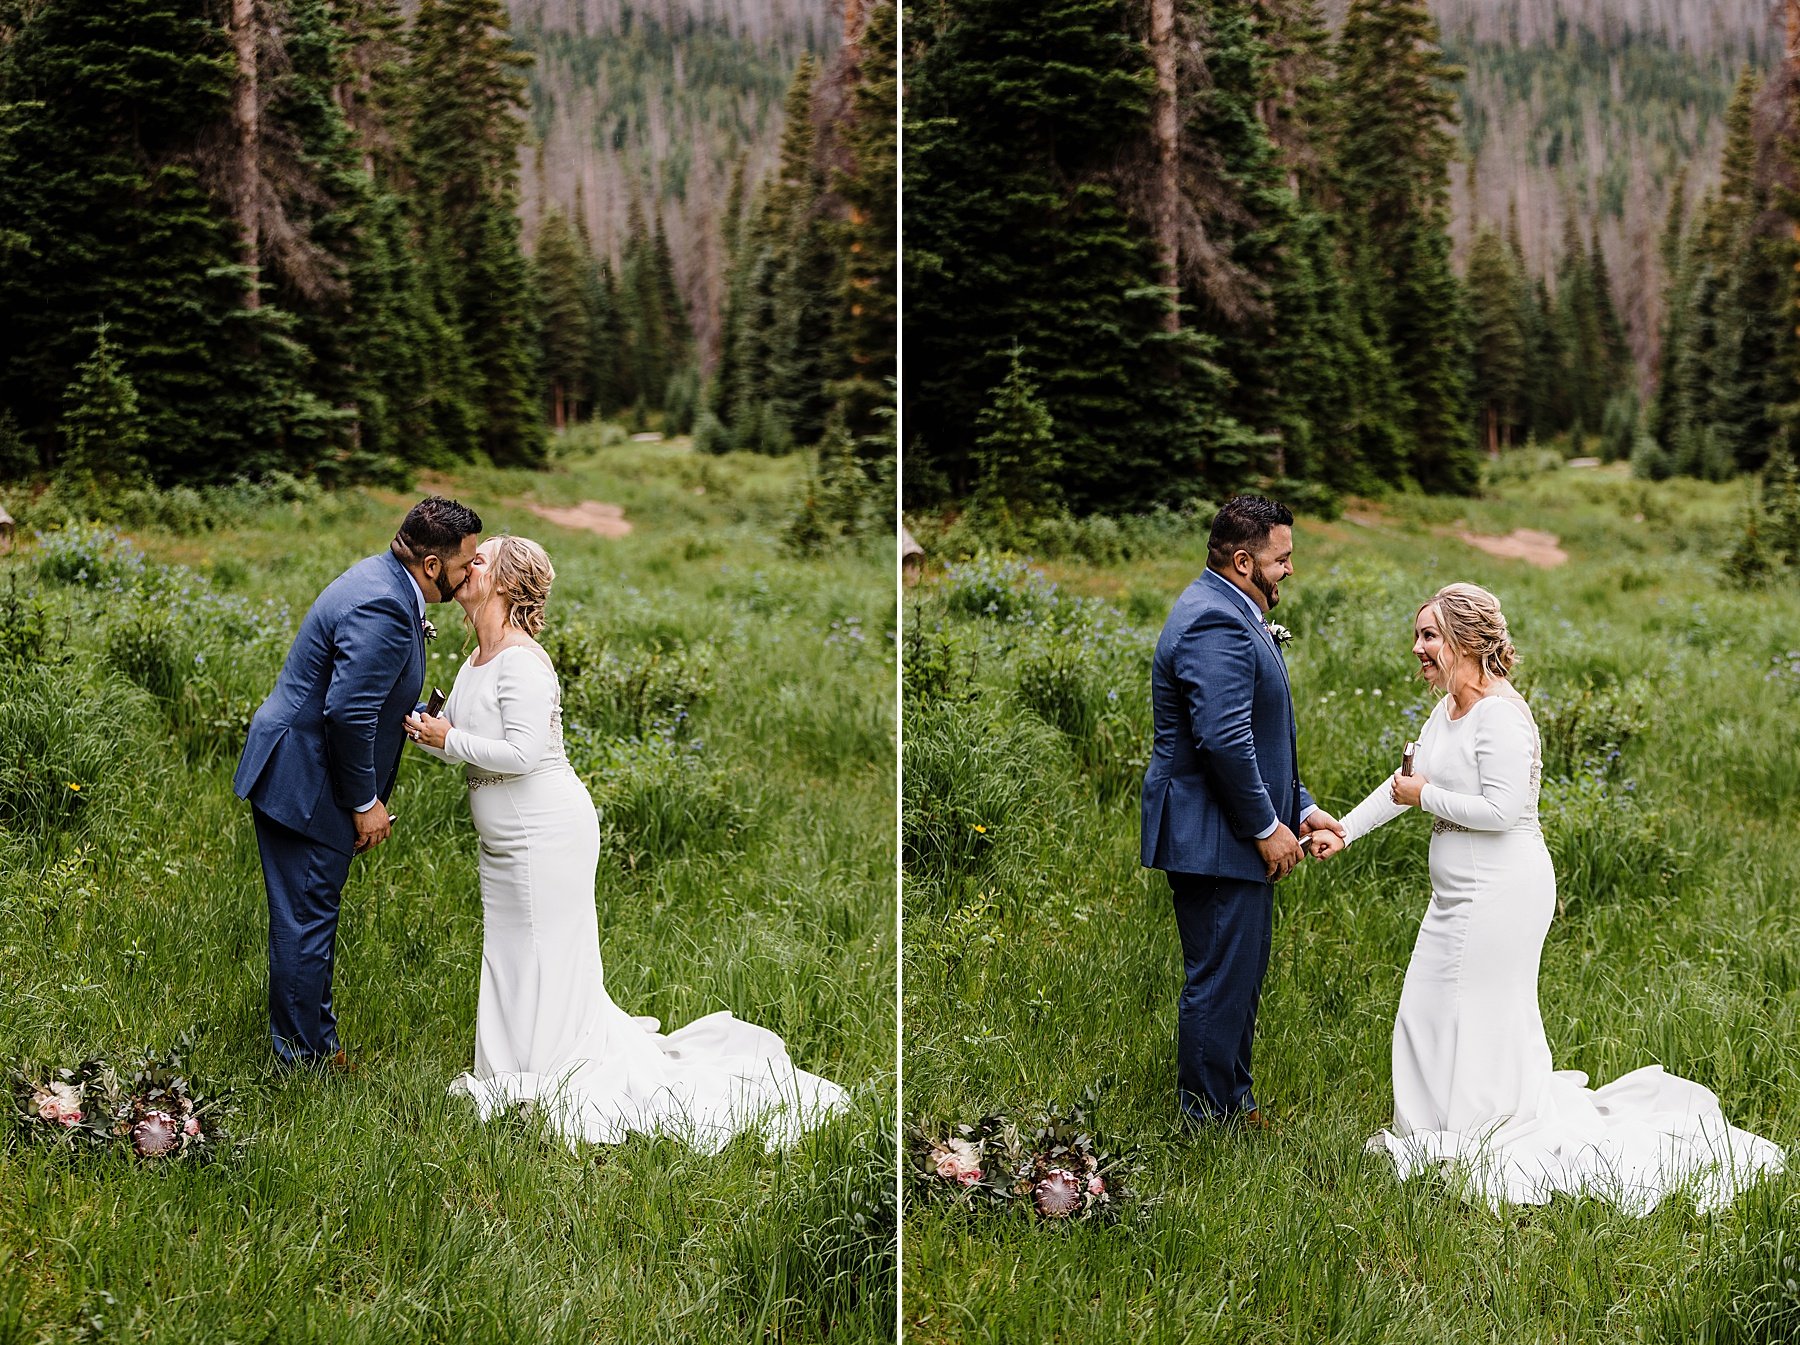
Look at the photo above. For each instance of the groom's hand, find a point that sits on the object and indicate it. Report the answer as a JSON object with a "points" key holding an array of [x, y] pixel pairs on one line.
{"points": [[1319, 820], [372, 827], [1280, 851]]}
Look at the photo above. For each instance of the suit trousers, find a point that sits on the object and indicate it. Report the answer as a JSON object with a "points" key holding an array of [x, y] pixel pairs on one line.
{"points": [[1225, 925], [305, 882]]}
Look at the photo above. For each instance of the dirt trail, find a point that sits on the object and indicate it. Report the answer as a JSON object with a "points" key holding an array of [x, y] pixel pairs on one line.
{"points": [[608, 520], [1543, 549]]}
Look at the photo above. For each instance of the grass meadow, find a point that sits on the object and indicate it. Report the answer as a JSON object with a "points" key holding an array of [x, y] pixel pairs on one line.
{"points": [[732, 710], [1040, 958]]}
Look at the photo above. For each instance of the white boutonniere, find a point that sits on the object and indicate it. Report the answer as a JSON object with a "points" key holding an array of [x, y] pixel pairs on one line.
{"points": [[429, 629], [1280, 634]]}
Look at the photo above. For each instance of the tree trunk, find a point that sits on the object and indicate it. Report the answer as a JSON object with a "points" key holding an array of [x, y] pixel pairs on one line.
{"points": [[856, 18], [1790, 68], [1164, 128], [246, 178]]}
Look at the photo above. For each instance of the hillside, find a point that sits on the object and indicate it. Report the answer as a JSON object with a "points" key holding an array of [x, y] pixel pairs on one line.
{"points": [[1594, 107], [658, 103]]}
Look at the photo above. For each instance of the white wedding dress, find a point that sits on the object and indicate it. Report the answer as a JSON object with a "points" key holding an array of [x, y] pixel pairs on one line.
{"points": [[547, 1033], [1474, 1091]]}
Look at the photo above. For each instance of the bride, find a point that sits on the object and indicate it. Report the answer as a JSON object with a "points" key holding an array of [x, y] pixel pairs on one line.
{"points": [[547, 1033], [1473, 1085]]}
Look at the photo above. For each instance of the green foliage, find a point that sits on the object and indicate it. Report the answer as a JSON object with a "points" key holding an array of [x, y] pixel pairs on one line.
{"points": [[103, 432], [1730, 371], [137, 915], [1672, 945], [1015, 455], [1019, 234], [17, 459], [389, 319]]}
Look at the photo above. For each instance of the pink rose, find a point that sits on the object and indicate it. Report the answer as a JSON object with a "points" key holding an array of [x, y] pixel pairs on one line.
{"points": [[956, 1160], [192, 1127], [60, 1102], [1096, 1187]]}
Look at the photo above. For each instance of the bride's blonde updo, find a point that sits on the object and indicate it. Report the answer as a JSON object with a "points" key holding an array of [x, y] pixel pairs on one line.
{"points": [[1473, 624], [521, 573]]}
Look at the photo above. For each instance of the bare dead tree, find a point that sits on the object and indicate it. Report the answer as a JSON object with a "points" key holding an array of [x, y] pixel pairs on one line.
{"points": [[1165, 130], [244, 191]]}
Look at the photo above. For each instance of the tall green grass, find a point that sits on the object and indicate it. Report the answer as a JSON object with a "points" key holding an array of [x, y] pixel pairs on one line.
{"points": [[1040, 957], [741, 751]]}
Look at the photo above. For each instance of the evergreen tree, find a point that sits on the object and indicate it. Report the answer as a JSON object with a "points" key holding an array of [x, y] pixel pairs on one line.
{"points": [[862, 382], [1729, 363], [1500, 366], [1018, 233], [1392, 162], [104, 211], [463, 138], [1016, 449], [103, 431], [566, 331]]}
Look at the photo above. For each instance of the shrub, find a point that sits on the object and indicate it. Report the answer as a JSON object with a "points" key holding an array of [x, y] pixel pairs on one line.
{"points": [[29, 631], [976, 779], [657, 796], [149, 654], [64, 747], [1606, 847], [1069, 689], [89, 556], [993, 587], [627, 692]]}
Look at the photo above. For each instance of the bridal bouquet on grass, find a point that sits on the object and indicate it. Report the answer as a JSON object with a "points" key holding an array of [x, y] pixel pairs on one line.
{"points": [[151, 1109], [1056, 1168]]}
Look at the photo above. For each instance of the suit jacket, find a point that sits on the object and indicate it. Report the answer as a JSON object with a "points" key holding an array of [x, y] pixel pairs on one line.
{"points": [[329, 736], [1224, 765]]}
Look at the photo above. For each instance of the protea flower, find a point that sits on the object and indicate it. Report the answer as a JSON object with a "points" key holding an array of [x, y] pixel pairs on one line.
{"points": [[155, 1135], [1057, 1195]]}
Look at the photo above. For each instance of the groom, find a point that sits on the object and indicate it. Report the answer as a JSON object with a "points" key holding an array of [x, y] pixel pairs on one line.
{"points": [[1223, 806], [324, 749]]}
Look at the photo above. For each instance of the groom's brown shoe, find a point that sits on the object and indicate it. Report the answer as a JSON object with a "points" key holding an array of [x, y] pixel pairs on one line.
{"points": [[341, 1063], [1256, 1120]]}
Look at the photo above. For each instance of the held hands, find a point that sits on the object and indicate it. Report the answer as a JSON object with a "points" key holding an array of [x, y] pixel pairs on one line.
{"points": [[430, 730], [1280, 851], [1321, 834], [1407, 789]]}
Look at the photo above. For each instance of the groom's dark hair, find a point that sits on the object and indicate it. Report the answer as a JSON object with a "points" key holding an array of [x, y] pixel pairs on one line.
{"points": [[1244, 524], [436, 527]]}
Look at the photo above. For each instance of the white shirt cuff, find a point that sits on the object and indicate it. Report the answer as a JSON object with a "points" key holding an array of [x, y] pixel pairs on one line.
{"points": [[370, 804], [1272, 829]]}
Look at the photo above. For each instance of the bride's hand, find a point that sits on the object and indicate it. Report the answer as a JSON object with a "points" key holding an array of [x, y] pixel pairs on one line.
{"points": [[1323, 844], [1407, 789], [428, 730]]}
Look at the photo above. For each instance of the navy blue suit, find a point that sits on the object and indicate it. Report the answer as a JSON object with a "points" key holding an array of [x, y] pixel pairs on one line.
{"points": [[1223, 770], [325, 742]]}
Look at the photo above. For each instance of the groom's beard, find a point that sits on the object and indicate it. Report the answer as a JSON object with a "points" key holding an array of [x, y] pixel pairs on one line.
{"points": [[1264, 587], [444, 593]]}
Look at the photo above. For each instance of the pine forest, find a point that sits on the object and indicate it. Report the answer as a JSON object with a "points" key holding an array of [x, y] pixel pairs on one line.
{"points": [[1158, 250], [344, 239]]}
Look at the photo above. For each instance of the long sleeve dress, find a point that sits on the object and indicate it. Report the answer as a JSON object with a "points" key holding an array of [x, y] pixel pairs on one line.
{"points": [[547, 1033], [1474, 1089]]}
